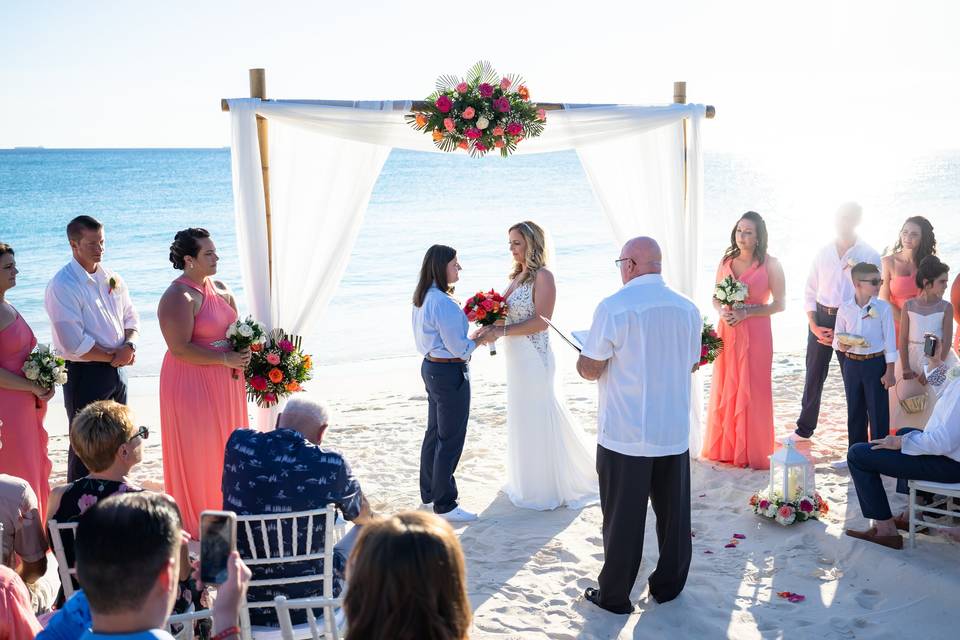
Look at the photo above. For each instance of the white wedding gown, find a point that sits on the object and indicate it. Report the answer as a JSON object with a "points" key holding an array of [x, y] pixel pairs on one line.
{"points": [[550, 462]]}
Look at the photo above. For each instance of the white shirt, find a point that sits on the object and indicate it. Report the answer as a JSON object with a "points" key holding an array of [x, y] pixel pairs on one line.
{"points": [[440, 327], [651, 336], [84, 311], [877, 331], [941, 436], [829, 282]]}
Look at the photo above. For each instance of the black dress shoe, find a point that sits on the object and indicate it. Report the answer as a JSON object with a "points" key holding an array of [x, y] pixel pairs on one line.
{"points": [[593, 595]]}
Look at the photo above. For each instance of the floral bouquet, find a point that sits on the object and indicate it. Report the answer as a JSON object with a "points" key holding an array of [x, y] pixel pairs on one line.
{"points": [[485, 309], [481, 113], [711, 344], [277, 368], [772, 505], [244, 334], [730, 292], [45, 367]]}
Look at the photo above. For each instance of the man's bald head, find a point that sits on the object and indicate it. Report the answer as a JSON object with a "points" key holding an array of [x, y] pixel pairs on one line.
{"points": [[644, 257]]}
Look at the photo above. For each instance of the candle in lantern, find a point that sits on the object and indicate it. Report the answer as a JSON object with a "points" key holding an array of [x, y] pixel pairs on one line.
{"points": [[793, 483]]}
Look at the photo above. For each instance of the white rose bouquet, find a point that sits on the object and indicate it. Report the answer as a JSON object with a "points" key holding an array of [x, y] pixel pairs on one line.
{"points": [[730, 292], [45, 367], [244, 334]]}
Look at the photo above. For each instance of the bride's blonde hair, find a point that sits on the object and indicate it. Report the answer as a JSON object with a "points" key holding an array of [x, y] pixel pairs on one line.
{"points": [[535, 257]]}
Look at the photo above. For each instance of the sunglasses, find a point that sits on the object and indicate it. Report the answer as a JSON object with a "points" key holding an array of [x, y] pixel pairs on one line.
{"points": [[142, 432], [875, 282]]}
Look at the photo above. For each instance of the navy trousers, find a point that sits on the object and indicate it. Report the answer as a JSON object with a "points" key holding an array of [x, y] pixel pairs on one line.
{"points": [[448, 397], [866, 397], [867, 464], [88, 382], [818, 365]]}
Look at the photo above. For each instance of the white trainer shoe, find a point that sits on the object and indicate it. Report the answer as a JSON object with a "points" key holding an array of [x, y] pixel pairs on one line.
{"points": [[839, 464], [795, 438], [426, 506], [458, 515]]}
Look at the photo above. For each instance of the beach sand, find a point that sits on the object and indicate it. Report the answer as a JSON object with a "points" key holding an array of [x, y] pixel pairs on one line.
{"points": [[527, 570]]}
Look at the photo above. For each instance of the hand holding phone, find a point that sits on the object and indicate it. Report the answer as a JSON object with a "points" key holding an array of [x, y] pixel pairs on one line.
{"points": [[218, 538], [930, 345]]}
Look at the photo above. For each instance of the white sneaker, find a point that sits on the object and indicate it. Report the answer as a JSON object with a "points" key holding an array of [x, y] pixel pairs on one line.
{"points": [[795, 438], [426, 506], [839, 464], [458, 515]]}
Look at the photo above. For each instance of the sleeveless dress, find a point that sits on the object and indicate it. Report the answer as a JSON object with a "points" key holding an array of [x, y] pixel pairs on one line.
{"points": [[550, 462], [902, 288], [920, 325], [200, 406], [740, 413], [23, 440]]}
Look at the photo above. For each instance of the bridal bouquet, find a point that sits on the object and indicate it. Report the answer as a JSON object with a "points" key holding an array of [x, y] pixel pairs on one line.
{"points": [[277, 368], [772, 505], [479, 114], [485, 309], [45, 367], [711, 344], [730, 292], [244, 334]]}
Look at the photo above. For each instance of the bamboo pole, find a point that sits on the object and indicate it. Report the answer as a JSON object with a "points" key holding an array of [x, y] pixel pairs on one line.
{"points": [[258, 89], [680, 97]]}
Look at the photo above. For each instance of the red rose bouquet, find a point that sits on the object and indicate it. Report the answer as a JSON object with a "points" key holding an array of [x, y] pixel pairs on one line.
{"points": [[485, 309], [711, 344], [277, 369]]}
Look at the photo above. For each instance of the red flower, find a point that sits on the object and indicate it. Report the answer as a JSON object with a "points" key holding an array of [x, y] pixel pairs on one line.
{"points": [[258, 382], [269, 398], [487, 305], [481, 314], [485, 90], [704, 350], [444, 104], [285, 345]]}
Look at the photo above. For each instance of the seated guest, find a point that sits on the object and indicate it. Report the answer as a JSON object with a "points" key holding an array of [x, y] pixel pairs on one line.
{"points": [[23, 537], [932, 454], [283, 471], [407, 581], [128, 560], [17, 621]]}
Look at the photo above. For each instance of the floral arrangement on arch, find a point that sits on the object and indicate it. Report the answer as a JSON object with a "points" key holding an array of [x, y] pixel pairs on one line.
{"points": [[480, 113], [772, 505], [277, 368]]}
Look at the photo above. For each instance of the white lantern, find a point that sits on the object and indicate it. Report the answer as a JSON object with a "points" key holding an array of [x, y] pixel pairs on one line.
{"points": [[791, 474]]}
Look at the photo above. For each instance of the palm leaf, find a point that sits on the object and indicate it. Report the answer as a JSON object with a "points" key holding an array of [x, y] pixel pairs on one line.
{"points": [[447, 82], [481, 72]]}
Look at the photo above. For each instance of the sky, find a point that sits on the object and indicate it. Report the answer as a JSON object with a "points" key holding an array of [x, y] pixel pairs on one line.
{"points": [[820, 77]]}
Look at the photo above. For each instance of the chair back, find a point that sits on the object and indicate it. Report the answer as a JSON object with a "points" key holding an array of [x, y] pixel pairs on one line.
{"points": [[181, 625], [67, 572], [329, 627]]}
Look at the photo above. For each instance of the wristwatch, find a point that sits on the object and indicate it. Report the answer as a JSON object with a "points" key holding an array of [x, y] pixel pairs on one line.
{"points": [[132, 345]]}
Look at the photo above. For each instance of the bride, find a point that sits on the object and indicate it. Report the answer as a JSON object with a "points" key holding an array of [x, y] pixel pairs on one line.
{"points": [[549, 461]]}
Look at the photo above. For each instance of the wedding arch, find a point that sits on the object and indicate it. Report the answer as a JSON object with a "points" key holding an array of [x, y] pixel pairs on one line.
{"points": [[300, 193]]}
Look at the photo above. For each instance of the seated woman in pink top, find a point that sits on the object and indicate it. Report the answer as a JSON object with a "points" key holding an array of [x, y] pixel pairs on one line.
{"points": [[201, 401], [916, 242]]}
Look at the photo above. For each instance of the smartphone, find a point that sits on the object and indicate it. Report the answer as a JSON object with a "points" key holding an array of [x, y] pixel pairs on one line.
{"points": [[218, 538], [930, 345]]}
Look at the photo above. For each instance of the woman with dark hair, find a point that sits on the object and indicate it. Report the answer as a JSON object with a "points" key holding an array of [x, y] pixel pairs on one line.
{"points": [[407, 581], [740, 414], [899, 268], [440, 330], [927, 318], [23, 402], [201, 401]]}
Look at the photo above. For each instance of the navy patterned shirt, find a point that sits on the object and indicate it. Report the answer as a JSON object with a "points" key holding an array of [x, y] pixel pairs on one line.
{"points": [[281, 472]]}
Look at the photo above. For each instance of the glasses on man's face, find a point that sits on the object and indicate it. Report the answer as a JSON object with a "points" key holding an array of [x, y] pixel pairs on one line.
{"points": [[620, 261], [142, 432], [875, 282]]}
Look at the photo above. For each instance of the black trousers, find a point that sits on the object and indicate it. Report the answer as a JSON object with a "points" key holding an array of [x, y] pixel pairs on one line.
{"points": [[818, 365], [626, 483], [88, 382], [448, 396], [866, 397]]}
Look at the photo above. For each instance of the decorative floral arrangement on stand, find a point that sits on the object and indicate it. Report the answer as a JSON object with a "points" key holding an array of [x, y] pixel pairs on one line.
{"points": [[480, 113], [45, 367], [711, 344], [277, 368], [485, 309], [730, 292], [772, 505], [244, 334]]}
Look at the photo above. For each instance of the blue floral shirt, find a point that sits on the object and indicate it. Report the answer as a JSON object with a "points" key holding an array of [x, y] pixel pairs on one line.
{"points": [[281, 472]]}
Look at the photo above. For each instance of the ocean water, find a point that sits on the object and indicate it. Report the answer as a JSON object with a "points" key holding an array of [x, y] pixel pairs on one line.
{"points": [[144, 196]]}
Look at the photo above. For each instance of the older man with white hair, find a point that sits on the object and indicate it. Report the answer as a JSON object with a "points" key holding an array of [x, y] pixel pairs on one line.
{"points": [[284, 471]]}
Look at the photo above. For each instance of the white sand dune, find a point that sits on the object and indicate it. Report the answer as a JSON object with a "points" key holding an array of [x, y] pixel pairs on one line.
{"points": [[527, 569]]}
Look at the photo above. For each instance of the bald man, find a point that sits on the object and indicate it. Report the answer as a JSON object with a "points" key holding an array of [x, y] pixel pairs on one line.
{"points": [[643, 344]]}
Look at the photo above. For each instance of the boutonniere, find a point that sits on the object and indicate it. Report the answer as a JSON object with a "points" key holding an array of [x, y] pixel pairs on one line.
{"points": [[851, 263], [113, 283], [870, 312]]}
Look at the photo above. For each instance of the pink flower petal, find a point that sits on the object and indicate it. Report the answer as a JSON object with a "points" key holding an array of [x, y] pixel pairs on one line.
{"points": [[708, 551], [730, 546], [739, 536]]}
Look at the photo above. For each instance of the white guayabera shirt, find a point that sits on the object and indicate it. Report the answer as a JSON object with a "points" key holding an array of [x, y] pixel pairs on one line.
{"points": [[829, 282]]}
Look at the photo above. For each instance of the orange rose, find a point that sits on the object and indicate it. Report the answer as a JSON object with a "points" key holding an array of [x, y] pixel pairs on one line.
{"points": [[256, 347], [524, 92], [437, 136], [307, 362], [275, 375], [421, 120], [293, 387]]}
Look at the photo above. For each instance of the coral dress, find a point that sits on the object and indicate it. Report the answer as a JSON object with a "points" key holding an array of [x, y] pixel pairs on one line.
{"points": [[22, 436], [902, 288], [200, 406], [740, 414]]}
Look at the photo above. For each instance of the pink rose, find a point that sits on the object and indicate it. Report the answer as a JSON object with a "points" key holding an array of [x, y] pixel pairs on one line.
{"points": [[444, 104], [505, 84], [514, 128], [519, 138], [86, 501], [285, 345], [448, 125], [487, 305], [480, 146], [502, 105], [541, 115], [785, 511], [472, 316], [498, 131], [273, 358], [462, 87], [473, 133], [499, 144], [806, 506], [469, 113], [485, 90]]}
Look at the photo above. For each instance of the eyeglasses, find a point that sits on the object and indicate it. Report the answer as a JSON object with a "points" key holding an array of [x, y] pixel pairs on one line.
{"points": [[142, 432], [618, 261], [875, 282]]}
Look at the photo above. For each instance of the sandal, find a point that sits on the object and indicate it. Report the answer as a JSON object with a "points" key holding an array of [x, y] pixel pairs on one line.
{"points": [[870, 535]]}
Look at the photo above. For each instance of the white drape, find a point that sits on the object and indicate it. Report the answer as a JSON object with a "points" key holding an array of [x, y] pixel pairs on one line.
{"points": [[325, 158]]}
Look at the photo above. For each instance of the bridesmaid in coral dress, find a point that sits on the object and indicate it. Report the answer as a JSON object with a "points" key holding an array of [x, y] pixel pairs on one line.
{"points": [[23, 403], [201, 400], [740, 413], [916, 242]]}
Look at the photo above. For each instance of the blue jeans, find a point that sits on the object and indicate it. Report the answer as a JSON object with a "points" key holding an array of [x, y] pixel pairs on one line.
{"points": [[867, 465]]}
